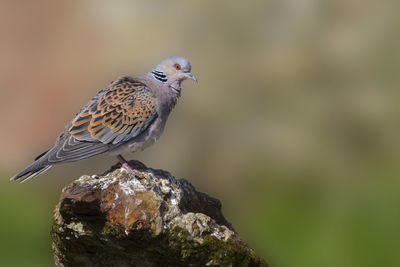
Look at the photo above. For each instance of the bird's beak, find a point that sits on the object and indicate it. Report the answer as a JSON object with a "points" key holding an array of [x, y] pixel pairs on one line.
{"points": [[190, 76]]}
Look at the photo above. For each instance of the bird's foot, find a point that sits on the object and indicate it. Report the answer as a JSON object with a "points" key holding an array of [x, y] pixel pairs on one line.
{"points": [[131, 165], [127, 166], [124, 162]]}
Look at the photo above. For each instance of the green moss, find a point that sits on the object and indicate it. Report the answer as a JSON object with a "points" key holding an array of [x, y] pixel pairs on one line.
{"points": [[213, 250], [56, 234], [111, 230]]}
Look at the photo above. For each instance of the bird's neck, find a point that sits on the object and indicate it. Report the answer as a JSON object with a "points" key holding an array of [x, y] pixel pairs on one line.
{"points": [[172, 92], [168, 90]]}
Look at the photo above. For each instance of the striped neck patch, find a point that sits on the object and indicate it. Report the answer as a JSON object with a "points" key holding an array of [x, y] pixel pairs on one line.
{"points": [[159, 76]]}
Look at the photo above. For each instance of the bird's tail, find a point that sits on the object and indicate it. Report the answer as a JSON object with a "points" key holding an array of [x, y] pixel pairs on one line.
{"points": [[29, 173], [32, 170]]}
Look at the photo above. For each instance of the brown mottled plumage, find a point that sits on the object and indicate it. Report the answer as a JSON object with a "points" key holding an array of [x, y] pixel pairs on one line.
{"points": [[128, 115], [124, 108]]}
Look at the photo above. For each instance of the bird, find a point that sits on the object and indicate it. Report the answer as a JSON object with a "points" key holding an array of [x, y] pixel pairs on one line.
{"points": [[126, 116]]}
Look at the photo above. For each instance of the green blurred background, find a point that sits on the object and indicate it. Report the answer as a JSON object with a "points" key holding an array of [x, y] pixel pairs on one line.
{"points": [[294, 123]]}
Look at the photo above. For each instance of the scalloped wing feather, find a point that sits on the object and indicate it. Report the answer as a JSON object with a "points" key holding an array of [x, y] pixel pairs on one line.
{"points": [[120, 112]]}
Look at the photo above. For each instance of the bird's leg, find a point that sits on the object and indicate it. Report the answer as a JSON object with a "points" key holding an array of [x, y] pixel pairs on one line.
{"points": [[124, 163]]}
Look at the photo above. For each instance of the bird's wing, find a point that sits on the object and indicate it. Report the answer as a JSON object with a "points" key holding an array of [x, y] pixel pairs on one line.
{"points": [[117, 114]]}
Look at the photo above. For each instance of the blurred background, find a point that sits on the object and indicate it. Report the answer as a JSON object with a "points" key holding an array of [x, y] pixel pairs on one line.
{"points": [[294, 124]]}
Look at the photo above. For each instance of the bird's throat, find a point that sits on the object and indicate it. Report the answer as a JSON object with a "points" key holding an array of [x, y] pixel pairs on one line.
{"points": [[175, 89]]}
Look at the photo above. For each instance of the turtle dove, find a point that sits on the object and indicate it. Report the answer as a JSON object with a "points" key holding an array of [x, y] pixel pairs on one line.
{"points": [[126, 116]]}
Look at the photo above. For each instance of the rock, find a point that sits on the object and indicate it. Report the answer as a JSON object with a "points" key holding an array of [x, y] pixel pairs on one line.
{"points": [[143, 217]]}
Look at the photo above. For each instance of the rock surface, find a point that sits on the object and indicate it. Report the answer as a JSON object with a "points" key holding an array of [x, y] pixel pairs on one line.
{"points": [[143, 217]]}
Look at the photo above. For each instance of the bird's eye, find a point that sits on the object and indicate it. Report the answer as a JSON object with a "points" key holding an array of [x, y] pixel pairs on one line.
{"points": [[177, 66]]}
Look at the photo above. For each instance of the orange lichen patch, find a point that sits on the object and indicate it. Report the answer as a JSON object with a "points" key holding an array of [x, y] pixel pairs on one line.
{"points": [[132, 211], [195, 229]]}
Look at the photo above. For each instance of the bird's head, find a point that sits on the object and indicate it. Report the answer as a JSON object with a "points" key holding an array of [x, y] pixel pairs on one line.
{"points": [[174, 69]]}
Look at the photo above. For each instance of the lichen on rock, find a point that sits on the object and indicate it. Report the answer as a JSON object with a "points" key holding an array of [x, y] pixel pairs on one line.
{"points": [[143, 217]]}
